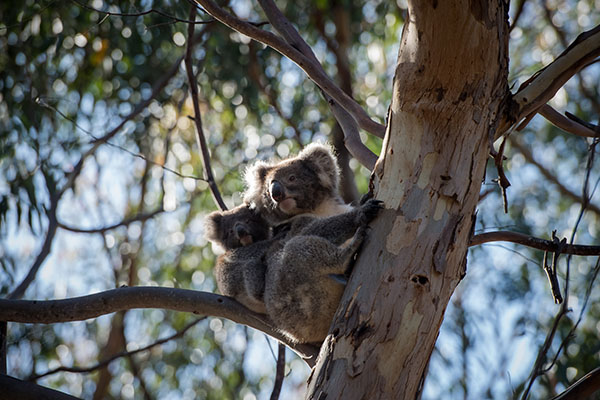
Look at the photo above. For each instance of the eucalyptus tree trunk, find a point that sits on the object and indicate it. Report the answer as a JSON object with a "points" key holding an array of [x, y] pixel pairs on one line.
{"points": [[450, 89]]}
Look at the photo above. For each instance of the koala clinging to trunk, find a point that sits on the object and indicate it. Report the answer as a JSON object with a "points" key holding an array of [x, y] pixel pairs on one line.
{"points": [[240, 271], [316, 236], [301, 294], [304, 184], [289, 275]]}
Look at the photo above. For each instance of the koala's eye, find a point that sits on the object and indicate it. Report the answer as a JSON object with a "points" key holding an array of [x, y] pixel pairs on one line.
{"points": [[292, 178]]}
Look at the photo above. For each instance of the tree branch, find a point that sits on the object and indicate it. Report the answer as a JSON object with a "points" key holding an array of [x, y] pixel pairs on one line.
{"points": [[345, 119], [534, 242], [107, 361], [13, 388], [314, 72], [142, 13], [127, 221], [19, 291], [279, 372], [564, 123], [544, 84], [200, 139], [126, 298], [582, 389], [72, 176]]}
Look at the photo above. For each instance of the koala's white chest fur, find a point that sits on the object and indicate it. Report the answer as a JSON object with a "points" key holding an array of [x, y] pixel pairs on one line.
{"points": [[331, 206]]}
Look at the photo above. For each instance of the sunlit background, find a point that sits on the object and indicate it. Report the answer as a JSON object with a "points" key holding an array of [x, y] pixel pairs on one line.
{"points": [[70, 73]]}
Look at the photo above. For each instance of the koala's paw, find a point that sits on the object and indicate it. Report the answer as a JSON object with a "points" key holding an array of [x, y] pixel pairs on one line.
{"points": [[370, 209]]}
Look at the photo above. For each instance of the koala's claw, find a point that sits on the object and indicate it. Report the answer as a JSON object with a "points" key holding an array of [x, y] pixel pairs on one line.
{"points": [[371, 208]]}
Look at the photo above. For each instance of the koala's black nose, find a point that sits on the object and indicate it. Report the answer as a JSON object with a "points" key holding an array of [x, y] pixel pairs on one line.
{"points": [[241, 230], [277, 192]]}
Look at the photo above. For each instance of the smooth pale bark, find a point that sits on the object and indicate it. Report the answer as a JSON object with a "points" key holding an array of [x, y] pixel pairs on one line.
{"points": [[449, 89]]}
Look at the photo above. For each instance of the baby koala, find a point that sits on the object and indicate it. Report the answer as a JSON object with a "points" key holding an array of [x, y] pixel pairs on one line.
{"points": [[291, 276], [244, 236]]}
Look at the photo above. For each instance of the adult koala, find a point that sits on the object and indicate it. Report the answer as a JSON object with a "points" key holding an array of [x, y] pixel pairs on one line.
{"points": [[304, 184]]}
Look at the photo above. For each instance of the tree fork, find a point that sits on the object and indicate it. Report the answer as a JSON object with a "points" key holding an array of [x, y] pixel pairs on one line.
{"points": [[449, 92]]}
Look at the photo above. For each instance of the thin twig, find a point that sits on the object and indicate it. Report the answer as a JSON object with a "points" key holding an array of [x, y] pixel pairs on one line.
{"points": [[543, 353], [121, 354], [543, 85], [279, 372], [588, 293], [127, 221], [43, 103], [142, 13], [503, 181], [200, 139], [534, 242]]}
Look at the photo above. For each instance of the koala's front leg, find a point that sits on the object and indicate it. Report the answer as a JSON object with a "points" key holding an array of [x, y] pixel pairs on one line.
{"points": [[348, 250], [342, 227]]}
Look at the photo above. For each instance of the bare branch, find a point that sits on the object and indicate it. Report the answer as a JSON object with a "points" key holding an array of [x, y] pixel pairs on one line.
{"points": [[157, 88], [107, 361], [544, 84], [128, 221], [279, 372], [534, 242], [314, 72], [116, 146], [72, 176], [564, 309], [565, 123], [142, 13], [13, 388], [19, 291], [584, 388], [503, 181], [200, 139], [127, 298], [535, 372], [345, 119]]}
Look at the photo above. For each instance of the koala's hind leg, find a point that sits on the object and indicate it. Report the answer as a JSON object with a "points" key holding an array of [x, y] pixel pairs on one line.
{"points": [[300, 295]]}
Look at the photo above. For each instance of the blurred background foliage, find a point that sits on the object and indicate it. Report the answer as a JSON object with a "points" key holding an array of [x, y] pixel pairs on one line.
{"points": [[72, 71]]}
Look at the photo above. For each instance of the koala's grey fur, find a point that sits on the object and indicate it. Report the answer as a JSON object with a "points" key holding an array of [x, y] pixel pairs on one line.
{"points": [[306, 184], [289, 277], [240, 271], [301, 296]]}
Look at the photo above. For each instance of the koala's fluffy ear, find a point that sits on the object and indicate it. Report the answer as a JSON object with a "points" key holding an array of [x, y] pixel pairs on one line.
{"points": [[254, 179], [212, 228], [322, 156]]}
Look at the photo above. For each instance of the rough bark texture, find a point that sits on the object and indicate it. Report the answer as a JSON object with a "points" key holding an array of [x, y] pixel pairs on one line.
{"points": [[449, 88]]}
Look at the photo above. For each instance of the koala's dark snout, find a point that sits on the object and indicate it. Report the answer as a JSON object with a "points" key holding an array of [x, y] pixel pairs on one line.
{"points": [[241, 230], [277, 191]]}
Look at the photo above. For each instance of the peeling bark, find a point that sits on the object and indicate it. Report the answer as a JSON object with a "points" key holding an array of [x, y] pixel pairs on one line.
{"points": [[449, 90]]}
